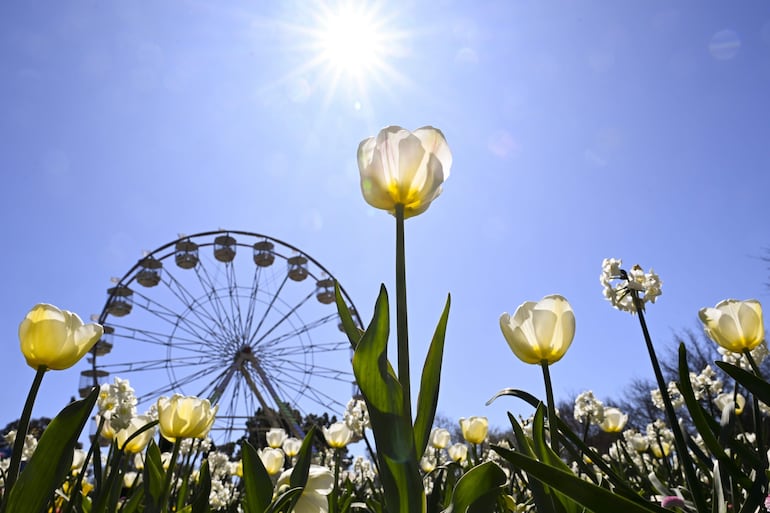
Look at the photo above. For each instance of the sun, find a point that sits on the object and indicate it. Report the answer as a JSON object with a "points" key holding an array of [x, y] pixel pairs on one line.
{"points": [[349, 47], [349, 40]]}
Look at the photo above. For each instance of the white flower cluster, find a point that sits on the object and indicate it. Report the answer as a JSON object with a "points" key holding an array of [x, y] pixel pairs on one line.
{"points": [[588, 408], [223, 492], [617, 287], [673, 392], [759, 353], [117, 403], [356, 417], [30, 444], [706, 384]]}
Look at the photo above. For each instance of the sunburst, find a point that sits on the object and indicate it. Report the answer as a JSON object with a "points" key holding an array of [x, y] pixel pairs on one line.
{"points": [[350, 46]]}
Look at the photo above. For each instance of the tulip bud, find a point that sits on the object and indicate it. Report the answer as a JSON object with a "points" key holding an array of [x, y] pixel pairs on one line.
{"points": [[55, 339], [474, 429], [734, 325], [403, 167]]}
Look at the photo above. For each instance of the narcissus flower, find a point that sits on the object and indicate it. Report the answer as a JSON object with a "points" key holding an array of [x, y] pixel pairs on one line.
{"points": [[540, 332], [403, 167], [474, 429], [338, 435], [55, 339], [320, 483], [614, 420], [617, 285], [185, 417], [734, 325]]}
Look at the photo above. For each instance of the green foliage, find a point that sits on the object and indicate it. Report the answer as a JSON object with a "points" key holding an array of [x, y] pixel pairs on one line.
{"points": [[52, 459]]}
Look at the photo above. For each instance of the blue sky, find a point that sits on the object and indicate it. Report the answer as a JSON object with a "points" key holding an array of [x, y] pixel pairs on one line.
{"points": [[580, 130]]}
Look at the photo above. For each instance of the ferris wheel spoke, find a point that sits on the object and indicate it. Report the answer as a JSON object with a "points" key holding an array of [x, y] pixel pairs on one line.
{"points": [[232, 292], [251, 308], [150, 365], [192, 304], [287, 351], [298, 388], [268, 309], [282, 319], [176, 384], [296, 332], [175, 319], [164, 340], [317, 371], [211, 290]]}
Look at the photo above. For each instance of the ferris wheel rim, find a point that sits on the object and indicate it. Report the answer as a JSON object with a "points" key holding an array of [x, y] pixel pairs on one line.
{"points": [[167, 251]]}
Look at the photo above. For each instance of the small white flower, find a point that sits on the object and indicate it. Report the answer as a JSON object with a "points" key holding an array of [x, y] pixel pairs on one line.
{"points": [[618, 284], [588, 407]]}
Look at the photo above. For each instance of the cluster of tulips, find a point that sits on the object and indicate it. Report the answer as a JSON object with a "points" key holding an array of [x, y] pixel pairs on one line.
{"points": [[690, 459]]}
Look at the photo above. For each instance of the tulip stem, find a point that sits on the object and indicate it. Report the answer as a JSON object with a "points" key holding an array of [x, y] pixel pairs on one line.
{"points": [[755, 410], [401, 321], [553, 422], [21, 432], [681, 446], [169, 474]]}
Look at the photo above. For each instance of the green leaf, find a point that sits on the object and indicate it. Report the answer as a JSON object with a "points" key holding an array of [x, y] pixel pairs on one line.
{"points": [[291, 495], [52, 459], [590, 496], [200, 502], [427, 399], [153, 477], [352, 330], [701, 422], [482, 482], [757, 386], [619, 482], [302, 466], [392, 427], [257, 485]]}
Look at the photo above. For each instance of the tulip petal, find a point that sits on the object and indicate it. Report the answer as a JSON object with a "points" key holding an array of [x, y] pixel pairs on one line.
{"points": [[434, 142]]}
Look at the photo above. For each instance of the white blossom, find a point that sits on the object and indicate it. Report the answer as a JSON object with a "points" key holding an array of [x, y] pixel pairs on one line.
{"points": [[588, 407], [617, 288]]}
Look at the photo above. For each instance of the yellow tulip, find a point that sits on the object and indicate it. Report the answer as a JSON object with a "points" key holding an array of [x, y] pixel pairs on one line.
{"points": [[614, 420], [275, 437], [540, 332], [320, 483], [139, 442], [734, 325], [185, 417], [338, 435], [458, 452], [291, 446], [403, 167], [272, 460], [55, 339], [439, 438], [474, 429]]}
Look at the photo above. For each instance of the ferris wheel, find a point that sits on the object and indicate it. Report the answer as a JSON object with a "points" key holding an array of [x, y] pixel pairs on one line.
{"points": [[240, 318]]}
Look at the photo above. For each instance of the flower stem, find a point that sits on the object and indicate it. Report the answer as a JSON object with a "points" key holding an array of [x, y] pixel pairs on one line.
{"points": [[21, 431], [401, 321], [681, 446], [755, 411], [169, 474], [336, 490], [553, 423]]}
